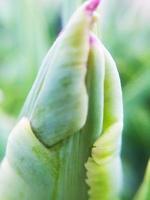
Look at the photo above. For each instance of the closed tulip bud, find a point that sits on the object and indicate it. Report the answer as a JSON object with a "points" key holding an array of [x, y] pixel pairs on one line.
{"points": [[66, 145]]}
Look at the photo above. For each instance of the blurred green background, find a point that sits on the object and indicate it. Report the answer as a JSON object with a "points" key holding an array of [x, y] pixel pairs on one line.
{"points": [[28, 29]]}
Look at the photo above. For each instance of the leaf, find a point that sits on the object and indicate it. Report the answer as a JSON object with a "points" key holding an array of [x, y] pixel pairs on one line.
{"points": [[144, 190]]}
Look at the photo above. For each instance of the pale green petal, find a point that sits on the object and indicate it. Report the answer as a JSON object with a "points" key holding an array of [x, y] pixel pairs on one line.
{"points": [[59, 104], [104, 167], [28, 170], [95, 88]]}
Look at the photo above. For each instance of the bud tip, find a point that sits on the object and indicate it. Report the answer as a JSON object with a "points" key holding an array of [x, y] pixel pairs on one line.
{"points": [[92, 5], [92, 39]]}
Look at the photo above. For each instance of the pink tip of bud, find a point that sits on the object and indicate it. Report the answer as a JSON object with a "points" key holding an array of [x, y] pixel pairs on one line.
{"points": [[92, 5], [92, 39]]}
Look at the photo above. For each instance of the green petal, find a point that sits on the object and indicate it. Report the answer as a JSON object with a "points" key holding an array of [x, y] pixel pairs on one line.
{"points": [[104, 166], [28, 170], [59, 105], [95, 89]]}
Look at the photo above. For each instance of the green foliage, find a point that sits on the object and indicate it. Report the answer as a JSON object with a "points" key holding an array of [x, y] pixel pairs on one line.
{"points": [[7, 124], [144, 191], [24, 38]]}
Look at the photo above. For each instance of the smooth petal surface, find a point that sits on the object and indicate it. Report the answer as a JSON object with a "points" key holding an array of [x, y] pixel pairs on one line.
{"points": [[59, 105], [104, 166], [28, 169]]}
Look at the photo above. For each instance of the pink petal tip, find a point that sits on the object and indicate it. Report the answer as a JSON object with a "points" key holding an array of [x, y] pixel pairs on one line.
{"points": [[92, 39], [92, 5]]}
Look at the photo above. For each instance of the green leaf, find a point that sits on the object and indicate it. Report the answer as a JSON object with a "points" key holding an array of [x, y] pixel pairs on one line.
{"points": [[144, 190]]}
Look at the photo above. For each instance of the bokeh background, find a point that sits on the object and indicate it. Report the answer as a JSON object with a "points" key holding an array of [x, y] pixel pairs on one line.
{"points": [[28, 29]]}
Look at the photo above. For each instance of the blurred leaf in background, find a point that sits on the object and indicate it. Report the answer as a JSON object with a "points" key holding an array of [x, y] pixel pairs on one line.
{"points": [[5, 127], [6, 124], [144, 190], [25, 39]]}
